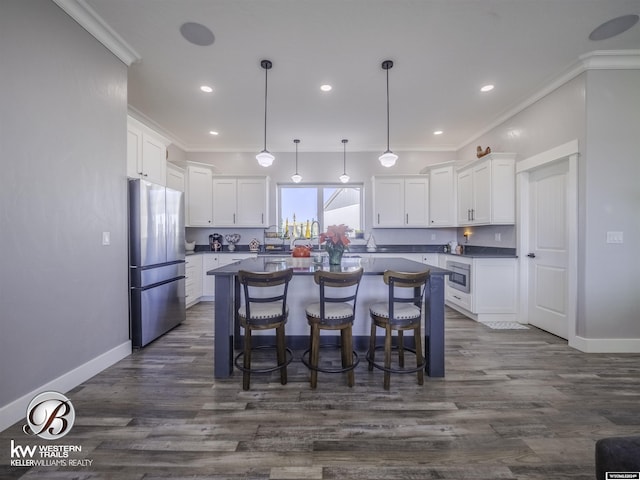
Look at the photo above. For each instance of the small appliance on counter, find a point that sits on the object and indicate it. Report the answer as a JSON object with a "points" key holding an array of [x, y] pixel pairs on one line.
{"points": [[215, 242]]}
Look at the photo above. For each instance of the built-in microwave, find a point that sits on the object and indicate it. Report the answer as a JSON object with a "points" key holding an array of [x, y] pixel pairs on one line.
{"points": [[460, 276]]}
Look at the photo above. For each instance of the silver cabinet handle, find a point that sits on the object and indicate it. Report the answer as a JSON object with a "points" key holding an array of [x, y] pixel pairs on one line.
{"points": [[407, 218], [378, 219], [234, 218]]}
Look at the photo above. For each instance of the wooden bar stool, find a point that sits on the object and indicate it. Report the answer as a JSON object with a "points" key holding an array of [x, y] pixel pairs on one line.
{"points": [[264, 307], [335, 311], [400, 312]]}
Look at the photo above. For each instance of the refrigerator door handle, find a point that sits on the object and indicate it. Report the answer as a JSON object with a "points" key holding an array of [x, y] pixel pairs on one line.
{"points": [[157, 284]]}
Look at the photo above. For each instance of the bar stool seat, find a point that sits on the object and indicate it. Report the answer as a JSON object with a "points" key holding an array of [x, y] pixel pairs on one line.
{"points": [[265, 307], [399, 313], [335, 311]]}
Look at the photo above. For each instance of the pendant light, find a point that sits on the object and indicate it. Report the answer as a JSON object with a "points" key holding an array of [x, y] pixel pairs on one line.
{"points": [[296, 177], [344, 178], [388, 158], [265, 158]]}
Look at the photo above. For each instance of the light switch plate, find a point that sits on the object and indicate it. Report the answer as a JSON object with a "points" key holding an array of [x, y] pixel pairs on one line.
{"points": [[106, 238], [615, 237]]}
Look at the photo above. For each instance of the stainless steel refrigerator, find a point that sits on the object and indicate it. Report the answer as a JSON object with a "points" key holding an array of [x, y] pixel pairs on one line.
{"points": [[156, 260]]}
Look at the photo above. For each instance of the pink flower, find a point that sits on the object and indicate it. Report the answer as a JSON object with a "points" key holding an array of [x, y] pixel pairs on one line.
{"points": [[336, 235]]}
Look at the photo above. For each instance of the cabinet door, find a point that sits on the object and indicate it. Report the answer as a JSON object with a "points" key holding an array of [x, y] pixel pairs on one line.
{"points": [[388, 202], [465, 197], [224, 202], [481, 213], [199, 194], [175, 178], [134, 152], [442, 201], [209, 262], [252, 202], [503, 205], [416, 202], [154, 159]]}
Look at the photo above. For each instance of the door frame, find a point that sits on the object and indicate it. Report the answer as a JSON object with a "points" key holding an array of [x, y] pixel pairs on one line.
{"points": [[568, 151]]}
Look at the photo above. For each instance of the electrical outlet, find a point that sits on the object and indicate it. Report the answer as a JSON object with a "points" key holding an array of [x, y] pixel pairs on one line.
{"points": [[498, 237], [433, 236], [106, 238], [615, 237]]}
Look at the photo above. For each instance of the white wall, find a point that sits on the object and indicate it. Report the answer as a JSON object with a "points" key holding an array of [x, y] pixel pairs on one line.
{"points": [[63, 295]]}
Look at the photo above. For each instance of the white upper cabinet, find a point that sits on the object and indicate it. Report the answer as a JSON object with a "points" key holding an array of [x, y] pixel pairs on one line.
{"points": [[486, 191], [175, 177], [199, 197], [442, 196], [401, 201], [146, 153], [240, 202]]}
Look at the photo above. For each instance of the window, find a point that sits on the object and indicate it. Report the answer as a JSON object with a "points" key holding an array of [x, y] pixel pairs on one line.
{"points": [[328, 204]]}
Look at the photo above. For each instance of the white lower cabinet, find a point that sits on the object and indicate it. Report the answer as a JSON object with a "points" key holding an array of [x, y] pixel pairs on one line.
{"points": [[193, 281], [209, 262], [493, 293]]}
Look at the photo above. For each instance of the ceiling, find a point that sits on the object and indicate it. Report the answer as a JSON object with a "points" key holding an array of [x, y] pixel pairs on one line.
{"points": [[443, 52]]}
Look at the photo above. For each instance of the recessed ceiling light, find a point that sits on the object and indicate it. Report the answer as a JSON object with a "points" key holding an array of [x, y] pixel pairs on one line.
{"points": [[326, 88], [197, 34], [213, 132], [486, 88], [206, 89], [438, 132], [614, 27]]}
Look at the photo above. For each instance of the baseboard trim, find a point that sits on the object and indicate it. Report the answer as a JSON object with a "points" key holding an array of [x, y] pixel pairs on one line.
{"points": [[606, 345], [14, 411]]}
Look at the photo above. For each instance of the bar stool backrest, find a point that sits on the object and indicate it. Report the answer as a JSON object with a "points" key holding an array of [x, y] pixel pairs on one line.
{"points": [[396, 280], [254, 283], [329, 282]]}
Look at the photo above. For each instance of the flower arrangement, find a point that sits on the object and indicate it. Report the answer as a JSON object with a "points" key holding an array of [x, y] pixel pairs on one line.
{"points": [[335, 240]]}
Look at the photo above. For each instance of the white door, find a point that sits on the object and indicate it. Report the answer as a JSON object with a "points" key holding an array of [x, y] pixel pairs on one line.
{"points": [[549, 248]]}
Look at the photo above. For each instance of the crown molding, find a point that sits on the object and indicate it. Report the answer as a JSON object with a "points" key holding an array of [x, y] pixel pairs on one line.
{"points": [[88, 19], [596, 60]]}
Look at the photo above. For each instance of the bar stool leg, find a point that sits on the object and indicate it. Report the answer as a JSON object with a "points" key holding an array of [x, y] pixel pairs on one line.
{"points": [[419, 357], [280, 348], [314, 354], [247, 359], [387, 356], [400, 348], [347, 355], [372, 345]]}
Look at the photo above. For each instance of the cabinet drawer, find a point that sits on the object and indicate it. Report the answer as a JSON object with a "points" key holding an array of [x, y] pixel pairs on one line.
{"points": [[458, 298]]}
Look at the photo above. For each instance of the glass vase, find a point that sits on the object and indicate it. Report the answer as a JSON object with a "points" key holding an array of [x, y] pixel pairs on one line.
{"points": [[335, 254]]}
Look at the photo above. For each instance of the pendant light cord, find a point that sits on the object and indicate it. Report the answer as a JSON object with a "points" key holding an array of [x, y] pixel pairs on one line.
{"points": [[266, 72], [387, 109]]}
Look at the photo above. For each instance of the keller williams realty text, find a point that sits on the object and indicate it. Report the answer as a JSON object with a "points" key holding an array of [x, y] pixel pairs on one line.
{"points": [[49, 456]]}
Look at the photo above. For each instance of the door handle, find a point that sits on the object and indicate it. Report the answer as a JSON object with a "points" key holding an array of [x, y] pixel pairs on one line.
{"points": [[531, 255]]}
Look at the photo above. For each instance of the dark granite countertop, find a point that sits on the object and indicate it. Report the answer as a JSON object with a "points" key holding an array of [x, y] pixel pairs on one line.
{"points": [[470, 251], [307, 266]]}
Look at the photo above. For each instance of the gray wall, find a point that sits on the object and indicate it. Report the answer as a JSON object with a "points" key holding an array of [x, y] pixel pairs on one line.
{"points": [[610, 302], [63, 295], [600, 108]]}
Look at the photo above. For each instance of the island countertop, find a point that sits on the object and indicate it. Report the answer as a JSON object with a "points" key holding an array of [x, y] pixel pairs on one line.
{"points": [[307, 266], [302, 290]]}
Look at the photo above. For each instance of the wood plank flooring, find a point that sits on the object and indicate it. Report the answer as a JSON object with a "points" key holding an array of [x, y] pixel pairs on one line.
{"points": [[515, 404]]}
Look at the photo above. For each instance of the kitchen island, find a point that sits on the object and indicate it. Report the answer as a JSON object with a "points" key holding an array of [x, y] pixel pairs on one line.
{"points": [[302, 291]]}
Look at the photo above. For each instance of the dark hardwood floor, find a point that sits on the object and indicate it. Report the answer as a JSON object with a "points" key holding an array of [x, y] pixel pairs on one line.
{"points": [[515, 404]]}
